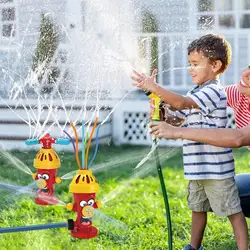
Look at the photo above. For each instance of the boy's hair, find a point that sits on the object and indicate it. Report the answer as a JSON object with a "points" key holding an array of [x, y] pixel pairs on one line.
{"points": [[214, 47]]}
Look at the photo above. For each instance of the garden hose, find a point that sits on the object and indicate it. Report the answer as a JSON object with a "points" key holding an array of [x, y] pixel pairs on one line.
{"points": [[156, 117], [165, 197], [32, 227]]}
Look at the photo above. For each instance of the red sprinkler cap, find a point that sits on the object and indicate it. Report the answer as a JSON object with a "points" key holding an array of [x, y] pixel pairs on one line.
{"points": [[47, 141]]}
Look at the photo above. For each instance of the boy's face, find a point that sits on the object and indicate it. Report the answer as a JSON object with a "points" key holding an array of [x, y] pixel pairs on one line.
{"points": [[200, 68]]}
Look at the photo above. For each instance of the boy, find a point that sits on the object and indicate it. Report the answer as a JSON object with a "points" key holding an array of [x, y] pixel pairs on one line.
{"points": [[209, 169], [238, 99]]}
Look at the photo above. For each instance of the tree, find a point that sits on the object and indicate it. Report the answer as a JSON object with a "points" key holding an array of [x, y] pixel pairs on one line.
{"points": [[43, 63], [149, 25]]}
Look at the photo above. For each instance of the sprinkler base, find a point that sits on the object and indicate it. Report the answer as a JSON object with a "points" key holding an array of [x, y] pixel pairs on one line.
{"points": [[86, 233], [46, 200]]}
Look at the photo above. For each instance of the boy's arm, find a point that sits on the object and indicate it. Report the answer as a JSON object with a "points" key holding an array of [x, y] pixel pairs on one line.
{"points": [[148, 83], [224, 137], [177, 101], [174, 120]]}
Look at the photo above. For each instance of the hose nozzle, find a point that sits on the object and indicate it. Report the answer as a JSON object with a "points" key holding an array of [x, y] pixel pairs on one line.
{"points": [[155, 101]]}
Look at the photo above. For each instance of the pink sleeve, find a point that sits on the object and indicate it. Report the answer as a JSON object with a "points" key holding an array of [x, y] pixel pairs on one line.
{"points": [[233, 95]]}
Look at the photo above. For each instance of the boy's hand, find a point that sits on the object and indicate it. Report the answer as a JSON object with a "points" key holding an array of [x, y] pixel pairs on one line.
{"points": [[246, 76], [164, 130], [143, 81], [163, 110], [164, 114]]}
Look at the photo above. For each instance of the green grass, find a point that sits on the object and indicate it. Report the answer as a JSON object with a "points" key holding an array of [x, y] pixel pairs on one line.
{"points": [[137, 210]]}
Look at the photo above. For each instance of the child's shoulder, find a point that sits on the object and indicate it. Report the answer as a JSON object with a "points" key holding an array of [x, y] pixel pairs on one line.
{"points": [[232, 88], [214, 84], [214, 87], [233, 95]]}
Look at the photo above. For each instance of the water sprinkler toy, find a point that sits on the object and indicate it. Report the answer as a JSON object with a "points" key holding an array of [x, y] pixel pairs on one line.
{"points": [[156, 101], [46, 162], [84, 187]]}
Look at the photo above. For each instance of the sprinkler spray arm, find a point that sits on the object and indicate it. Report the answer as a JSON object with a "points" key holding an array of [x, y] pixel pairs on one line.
{"points": [[47, 141]]}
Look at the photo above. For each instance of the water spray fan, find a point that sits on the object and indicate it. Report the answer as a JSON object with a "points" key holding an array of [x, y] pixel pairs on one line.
{"points": [[84, 187], [46, 163], [156, 101]]}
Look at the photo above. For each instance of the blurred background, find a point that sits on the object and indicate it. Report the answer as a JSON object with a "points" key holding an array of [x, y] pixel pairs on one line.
{"points": [[63, 60]]}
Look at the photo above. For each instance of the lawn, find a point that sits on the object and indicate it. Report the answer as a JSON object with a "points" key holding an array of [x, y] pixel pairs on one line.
{"points": [[132, 216]]}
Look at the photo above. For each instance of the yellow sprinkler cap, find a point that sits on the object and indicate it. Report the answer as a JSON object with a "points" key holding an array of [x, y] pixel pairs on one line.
{"points": [[84, 182], [47, 158]]}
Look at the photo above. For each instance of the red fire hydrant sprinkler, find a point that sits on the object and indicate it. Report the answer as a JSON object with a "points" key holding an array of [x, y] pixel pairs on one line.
{"points": [[84, 187], [46, 162]]}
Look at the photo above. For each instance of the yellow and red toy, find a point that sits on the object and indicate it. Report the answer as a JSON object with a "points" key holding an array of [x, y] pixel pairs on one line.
{"points": [[46, 162], [84, 187]]}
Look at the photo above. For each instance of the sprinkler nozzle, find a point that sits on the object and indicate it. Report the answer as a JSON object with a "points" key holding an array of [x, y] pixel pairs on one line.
{"points": [[34, 176], [88, 211], [69, 206], [58, 180], [41, 183], [98, 204]]}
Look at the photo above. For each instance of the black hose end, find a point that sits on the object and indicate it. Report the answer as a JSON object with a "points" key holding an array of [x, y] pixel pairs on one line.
{"points": [[147, 93], [71, 224]]}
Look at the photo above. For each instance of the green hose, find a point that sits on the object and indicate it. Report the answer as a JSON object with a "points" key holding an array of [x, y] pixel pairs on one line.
{"points": [[156, 117], [165, 197]]}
